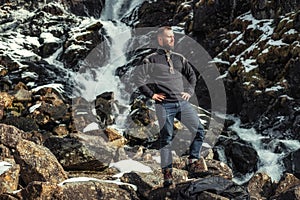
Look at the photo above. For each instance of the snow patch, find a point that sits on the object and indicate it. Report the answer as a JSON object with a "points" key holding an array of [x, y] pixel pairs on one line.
{"points": [[4, 166], [88, 179], [34, 107], [125, 166], [91, 127], [274, 88], [57, 86]]}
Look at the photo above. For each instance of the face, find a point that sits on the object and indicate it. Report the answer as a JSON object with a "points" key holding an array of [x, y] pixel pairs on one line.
{"points": [[166, 40]]}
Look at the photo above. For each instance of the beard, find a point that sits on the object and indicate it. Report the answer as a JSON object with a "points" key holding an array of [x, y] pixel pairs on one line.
{"points": [[168, 47]]}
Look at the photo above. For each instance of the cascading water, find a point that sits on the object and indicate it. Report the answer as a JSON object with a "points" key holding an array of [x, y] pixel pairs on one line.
{"points": [[102, 79], [269, 161]]}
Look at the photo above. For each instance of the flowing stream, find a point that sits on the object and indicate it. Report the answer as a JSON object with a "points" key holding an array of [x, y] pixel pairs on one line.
{"points": [[269, 161]]}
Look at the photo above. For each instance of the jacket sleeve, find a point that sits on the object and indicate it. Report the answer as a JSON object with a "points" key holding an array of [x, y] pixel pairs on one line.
{"points": [[189, 74], [141, 76]]}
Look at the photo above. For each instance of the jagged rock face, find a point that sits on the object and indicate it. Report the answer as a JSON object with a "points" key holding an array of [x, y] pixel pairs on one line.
{"points": [[78, 7], [46, 30], [261, 65], [157, 13], [262, 9], [291, 162], [86, 7]]}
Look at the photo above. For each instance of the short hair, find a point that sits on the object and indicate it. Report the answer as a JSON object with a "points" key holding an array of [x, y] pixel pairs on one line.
{"points": [[160, 30]]}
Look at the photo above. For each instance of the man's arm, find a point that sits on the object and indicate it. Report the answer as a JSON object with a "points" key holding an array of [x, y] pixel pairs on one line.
{"points": [[140, 77], [189, 74]]}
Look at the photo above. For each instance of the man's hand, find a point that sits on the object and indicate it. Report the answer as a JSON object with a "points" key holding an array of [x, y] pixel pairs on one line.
{"points": [[159, 97], [186, 96]]}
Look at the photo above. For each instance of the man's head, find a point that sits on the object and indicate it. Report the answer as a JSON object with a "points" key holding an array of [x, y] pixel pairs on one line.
{"points": [[165, 37]]}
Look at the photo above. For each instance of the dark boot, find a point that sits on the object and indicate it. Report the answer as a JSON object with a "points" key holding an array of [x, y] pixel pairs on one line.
{"points": [[197, 167], [168, 178]]}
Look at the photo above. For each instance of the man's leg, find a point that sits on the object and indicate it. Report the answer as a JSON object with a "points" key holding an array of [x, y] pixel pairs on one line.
{"points": [[188, 116], [165, 114]]}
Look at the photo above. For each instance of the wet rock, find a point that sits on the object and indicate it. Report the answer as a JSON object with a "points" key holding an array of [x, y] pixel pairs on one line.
{"points": [[38, 163], [50, 109], [105, 108], [292, 163], [74, 154], [49, 47], [260, 186], [141, 114], [292, 193]]}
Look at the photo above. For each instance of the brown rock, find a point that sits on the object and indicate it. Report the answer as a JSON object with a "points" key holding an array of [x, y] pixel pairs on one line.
{"points": [[10, 135], [23, 95], [61, 130], [97, 190], [211, 196], [260, 186], [5, 99], [41, 190], [88, 153], [287, 182], [9, 180], [219, 169], [38, 163], [147, 182], [88, 190], [112, 134]]}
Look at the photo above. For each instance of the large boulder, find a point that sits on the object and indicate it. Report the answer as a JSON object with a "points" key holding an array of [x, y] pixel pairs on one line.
{"points": [[76, 154], [240, 156], [38, 163], [260, 186], [83, 189], [287, 188]]}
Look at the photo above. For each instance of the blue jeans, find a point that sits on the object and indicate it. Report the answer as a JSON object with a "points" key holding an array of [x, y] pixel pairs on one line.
{"points": [[185, 113]]}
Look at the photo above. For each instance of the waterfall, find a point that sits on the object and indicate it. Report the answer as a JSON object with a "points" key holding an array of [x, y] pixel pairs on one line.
{"points": [[100, 79]]}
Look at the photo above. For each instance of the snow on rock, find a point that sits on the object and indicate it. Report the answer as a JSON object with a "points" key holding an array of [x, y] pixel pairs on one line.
{"points": [[130, 165], [87, 179], [4, 166]]}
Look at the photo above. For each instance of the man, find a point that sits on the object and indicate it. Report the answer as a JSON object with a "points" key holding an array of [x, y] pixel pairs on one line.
{"points": [[166, 70]]}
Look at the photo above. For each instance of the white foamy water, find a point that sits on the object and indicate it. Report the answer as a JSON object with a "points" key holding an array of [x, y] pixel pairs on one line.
{"points": [[269, 162]]}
